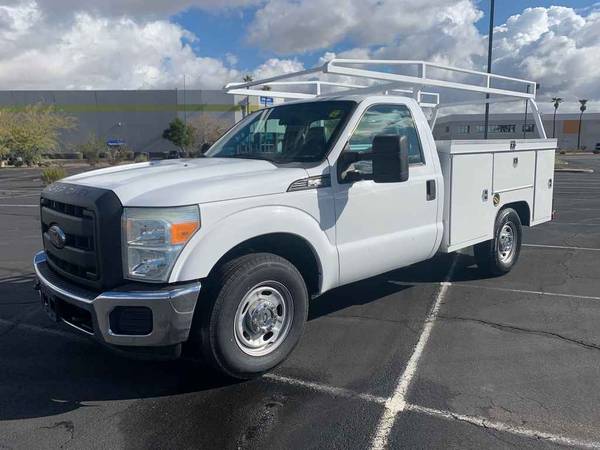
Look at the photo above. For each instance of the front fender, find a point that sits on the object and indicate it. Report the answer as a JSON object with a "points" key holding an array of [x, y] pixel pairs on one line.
{"points": [[210, 244]]}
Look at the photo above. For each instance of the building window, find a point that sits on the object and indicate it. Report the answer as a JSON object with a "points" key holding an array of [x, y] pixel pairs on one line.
{"points": [[502, 128], [528, 127], [463, 129]]}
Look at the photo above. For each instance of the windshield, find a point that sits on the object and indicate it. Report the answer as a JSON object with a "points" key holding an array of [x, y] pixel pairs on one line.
{"points": [[287, 133]]}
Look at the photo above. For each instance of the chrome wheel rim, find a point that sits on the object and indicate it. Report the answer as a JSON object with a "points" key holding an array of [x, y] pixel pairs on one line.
{"points": [[506, 243], [263, 318]]}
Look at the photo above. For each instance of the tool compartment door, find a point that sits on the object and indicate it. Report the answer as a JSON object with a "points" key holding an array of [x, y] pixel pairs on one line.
{"points": [[513, 170], [470, 212], [544, 186]]}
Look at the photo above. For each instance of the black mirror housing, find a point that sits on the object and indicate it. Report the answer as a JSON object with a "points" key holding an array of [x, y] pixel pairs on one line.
{"points": [[390, 159]]}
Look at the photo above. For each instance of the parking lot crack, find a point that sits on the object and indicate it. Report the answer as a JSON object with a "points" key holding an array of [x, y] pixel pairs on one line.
{"points": [[67, 425], [513, 328]]}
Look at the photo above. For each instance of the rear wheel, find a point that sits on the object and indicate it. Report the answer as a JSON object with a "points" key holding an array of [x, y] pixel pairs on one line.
{"points": [[499, 255], [254, 315]]}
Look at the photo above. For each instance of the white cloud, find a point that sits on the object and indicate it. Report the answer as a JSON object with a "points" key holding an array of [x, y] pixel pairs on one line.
{"points": [[60, 10], [121, 44], [557, 47], [276, 66], [405, 27], [95, 52]]}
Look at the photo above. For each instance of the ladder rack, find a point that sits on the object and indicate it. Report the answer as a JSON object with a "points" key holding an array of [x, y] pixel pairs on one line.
{"points": [[426, 75]]}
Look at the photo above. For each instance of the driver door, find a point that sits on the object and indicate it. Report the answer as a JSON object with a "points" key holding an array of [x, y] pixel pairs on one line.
{"points": [[383, 226]]}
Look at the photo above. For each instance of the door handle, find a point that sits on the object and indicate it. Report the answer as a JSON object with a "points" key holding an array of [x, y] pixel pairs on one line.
{"points": [[431, 190]]}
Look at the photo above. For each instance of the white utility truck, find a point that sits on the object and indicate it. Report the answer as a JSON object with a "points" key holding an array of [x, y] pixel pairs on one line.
{"points": [[223, 252]]}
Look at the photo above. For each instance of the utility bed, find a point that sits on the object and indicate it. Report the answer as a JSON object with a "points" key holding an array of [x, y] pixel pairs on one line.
{"points": [[482, 175]]}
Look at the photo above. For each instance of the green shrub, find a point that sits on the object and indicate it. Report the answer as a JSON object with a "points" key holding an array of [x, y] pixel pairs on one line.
{"points": [[52, 174], [91, 149], [142, 157]]}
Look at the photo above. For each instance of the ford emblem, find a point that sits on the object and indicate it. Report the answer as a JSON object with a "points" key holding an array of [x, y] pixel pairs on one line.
{"points": [[57, 236]]}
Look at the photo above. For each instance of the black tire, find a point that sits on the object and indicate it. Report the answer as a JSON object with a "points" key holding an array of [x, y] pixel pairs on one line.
{"points": [[489, 255], [217, 317]]}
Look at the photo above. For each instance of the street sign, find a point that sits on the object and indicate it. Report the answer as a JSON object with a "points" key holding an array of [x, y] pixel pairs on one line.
{"points": [[115, 142], [266, 101]]}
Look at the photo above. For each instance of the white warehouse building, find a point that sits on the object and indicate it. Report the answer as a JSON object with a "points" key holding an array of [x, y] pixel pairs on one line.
{"points": [[515, 126]]}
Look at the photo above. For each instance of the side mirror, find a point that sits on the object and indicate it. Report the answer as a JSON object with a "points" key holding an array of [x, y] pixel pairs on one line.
{"points": [[390, 159]]}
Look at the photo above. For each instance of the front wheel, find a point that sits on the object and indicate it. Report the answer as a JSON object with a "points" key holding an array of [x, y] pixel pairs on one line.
{"points": [[254, 316], [499, 255]]}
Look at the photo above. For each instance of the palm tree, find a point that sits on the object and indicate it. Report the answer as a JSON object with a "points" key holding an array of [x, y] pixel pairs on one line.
{"points": [[247, 79], [582, 108], [557, 101]]}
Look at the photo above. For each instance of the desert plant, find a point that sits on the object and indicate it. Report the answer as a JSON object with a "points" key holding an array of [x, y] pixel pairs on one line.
{"points": [[35, 129], [117, 155], [52, 174], [92, 148]]}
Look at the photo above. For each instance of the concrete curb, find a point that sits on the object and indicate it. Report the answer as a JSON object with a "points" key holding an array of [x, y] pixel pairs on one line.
{"points": [[575, 170]]}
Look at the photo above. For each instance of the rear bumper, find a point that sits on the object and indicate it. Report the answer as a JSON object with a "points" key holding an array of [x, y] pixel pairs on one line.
{"points": [[166, 317]]}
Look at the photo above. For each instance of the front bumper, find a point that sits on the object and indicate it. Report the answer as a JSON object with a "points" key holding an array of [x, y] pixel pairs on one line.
{"points": [[172, 308]]}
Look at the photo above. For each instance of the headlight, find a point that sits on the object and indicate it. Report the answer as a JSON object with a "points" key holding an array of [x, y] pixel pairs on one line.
{"points": [[153, 239]]}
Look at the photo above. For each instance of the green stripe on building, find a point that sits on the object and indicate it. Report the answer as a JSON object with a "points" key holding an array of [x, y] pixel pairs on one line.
{"points": [[83, 108]]}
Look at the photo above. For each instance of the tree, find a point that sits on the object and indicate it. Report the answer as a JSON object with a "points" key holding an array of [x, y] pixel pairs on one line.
{"points": [[247, 79], [556, 101], [33, 130], [180, 134], [3, 134], [207, 130]]}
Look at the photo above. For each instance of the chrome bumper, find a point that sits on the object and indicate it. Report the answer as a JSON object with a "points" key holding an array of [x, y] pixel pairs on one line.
{"points": [[172, 308]]}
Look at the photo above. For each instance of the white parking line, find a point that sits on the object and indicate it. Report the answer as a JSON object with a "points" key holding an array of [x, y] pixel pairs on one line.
{"points": [[498, 426], [397, 402], [563, 247], [332, 390], [20, 206], [573, 223], [481, 422], [10, 197], [524, 291], [347, 393], [38, 329]]}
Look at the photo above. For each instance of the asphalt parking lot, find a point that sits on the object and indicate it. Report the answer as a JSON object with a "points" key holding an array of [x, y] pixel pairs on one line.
{"points": [[431, 356]]}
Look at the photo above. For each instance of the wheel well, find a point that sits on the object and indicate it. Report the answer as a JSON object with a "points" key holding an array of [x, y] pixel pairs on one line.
{"points": [[522, 209], [289, 246]]}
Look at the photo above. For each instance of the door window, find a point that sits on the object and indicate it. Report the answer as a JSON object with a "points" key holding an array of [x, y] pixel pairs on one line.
{"points": [[377, 120]]}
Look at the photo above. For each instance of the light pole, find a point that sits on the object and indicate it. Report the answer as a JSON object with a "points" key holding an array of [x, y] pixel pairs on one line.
{"points": [[489, 68], [556, 101], [582, 108]]}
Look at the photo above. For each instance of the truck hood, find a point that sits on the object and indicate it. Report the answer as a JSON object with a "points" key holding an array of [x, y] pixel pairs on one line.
{"points": [[190, 181]]}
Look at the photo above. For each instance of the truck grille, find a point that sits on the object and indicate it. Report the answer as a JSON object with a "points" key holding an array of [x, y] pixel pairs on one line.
{"points": [[77, 257], [89, 222]]}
